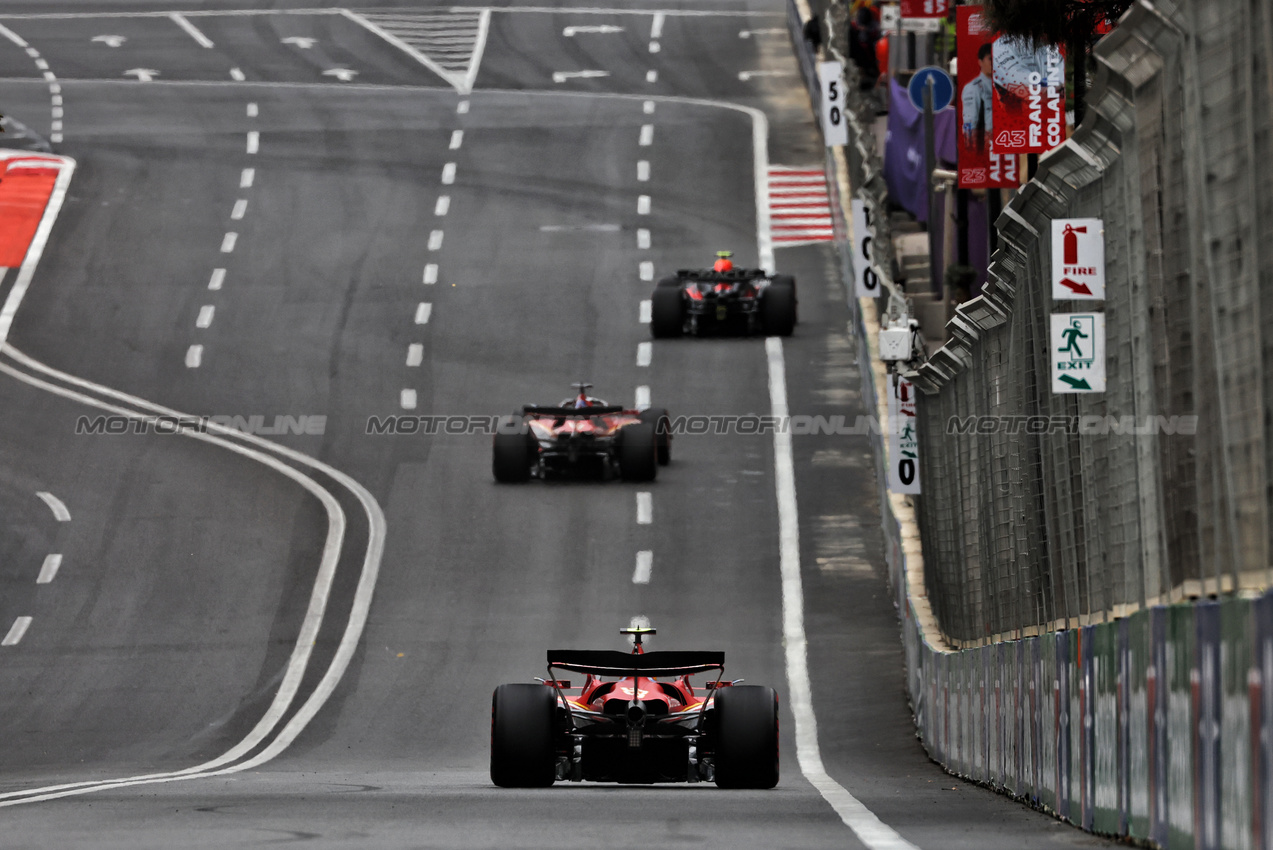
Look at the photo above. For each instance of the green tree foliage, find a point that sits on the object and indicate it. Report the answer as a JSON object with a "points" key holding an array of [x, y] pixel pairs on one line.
{"points": [[1057, 22]]}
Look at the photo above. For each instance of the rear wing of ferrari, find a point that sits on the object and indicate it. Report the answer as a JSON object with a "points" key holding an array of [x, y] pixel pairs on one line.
{"points": [[572, 412], [606, 662]]}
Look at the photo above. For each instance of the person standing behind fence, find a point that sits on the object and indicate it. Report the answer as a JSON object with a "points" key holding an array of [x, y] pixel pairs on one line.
{"points": [[864, 32]]}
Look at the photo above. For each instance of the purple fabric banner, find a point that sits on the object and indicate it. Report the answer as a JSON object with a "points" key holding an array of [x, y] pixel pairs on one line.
{"points": [[904, 150]]}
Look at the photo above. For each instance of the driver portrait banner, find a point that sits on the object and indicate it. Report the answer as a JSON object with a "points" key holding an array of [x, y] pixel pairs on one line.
{"points": [[979, 166], [925, 8], [1029, 96]]}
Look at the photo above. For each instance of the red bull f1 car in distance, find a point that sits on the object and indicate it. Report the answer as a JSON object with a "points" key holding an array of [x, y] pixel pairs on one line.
{"points": [[637, 718], [723, 299], [582, 436]]}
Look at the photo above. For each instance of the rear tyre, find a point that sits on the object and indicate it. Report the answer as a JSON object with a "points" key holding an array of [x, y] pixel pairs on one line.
{"points": [[511, 462], [638, 453], [747, 737], [668, 281], [657, 416], [788, 280], [522, 752], [778, 309], [667, 312]]}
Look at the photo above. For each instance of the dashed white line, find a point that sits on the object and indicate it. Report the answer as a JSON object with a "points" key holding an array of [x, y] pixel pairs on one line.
{"points": [[206, 312], [643, 205], [654, 47], [644, 566], [457, 139], [643, 238], [448, 174], [218, 278], [462, 107], [240, 209], [247, 178], [48, 570], [254, 141], [56, 90], [41, 64], [57, 112], [643, 170], [647, 135], [191, 29], [643, 397], [407, 399], [252, 110], [647, 270], [16, 631], [56, 99], [60, 513], [49, 76], [227, 242], [647, 308], [648, 107], [431, 273], [237, 75], [656, 25], [415, 354], [422, 313], [645, 352], [651, 76], [645, 508], [443, 204], [435, 240], [194, 356]]}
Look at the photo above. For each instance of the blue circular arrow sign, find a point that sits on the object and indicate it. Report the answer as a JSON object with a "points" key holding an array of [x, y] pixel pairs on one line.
{"points": [[943, 88]]}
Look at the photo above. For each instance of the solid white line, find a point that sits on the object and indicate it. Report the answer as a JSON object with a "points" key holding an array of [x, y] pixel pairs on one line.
{"points": [[194, 356], [462, 107], [457, 139], [190, 28], [443, 205], [253, 111], [206, 313], [642, 397], [643, 170], [869, 829], [647, 307], [647, 270], [645, 508], [407, 399], [651, 76], [218, 278], [12, 36], [16, 631], [415, 354], [656, 25], [247, 178], [48, 570], [237, 75], [431, 273], [479, 48], [645, 352], [422, 313], [643, 238], [647, 135], [644, 565], [448, 174], [60, 513], [240, 209], [228, 241], [435, 240], [254, 141]]}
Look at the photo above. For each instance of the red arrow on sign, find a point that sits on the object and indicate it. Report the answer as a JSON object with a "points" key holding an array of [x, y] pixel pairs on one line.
{"points": [[1075, 287]]}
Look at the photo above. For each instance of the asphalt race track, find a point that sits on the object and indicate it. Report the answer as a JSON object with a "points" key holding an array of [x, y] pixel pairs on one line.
{"points": [[291, 215]]}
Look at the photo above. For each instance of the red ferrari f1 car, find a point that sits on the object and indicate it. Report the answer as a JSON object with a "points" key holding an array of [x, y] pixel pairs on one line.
{"points": [[582, 436], [625, 725], [738, 300]]}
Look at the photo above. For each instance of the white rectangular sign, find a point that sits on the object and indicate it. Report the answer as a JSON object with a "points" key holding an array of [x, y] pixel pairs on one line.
{"points": [[865, 282], [1078, 352], [1078, 259], [890, 17], [903, 437], [834, 129]]}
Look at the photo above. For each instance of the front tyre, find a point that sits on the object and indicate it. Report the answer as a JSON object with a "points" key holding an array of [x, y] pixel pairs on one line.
{"points": [[747, 737], [522, 752], [657, 416]]}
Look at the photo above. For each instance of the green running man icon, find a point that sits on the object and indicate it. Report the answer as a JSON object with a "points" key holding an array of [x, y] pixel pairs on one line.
{"points": [[1072, 335]]}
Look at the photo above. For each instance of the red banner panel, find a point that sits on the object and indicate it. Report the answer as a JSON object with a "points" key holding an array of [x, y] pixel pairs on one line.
{"points": [[925, 8], [1029, 93], [979, 167]]}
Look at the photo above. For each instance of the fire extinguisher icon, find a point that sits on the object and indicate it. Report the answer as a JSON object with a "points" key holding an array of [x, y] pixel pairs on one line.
{"points": [[1072, 244]]}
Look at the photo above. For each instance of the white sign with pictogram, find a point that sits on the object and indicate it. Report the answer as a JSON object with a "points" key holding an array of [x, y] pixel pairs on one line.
{"points": [[866, 284], [903, 437], [834, 129], [1078, 352], [1078, 259]]}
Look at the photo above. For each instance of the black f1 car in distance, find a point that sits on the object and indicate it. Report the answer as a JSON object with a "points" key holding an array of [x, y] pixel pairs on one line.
{"points": [[582, 436], [739, 300], [624, 725]]}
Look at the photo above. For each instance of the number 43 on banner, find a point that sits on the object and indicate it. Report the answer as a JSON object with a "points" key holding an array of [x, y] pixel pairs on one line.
{"points": [[834, 130]]}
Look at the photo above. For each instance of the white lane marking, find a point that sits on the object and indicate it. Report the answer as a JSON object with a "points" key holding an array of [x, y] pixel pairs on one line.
{"points": [[55, 126], [48, 570], [435, 240], [645, 508], [462, 107], [448, 174], [56, 100], [301, 42], [579, 228], [228, 241], [869, 829], [647, 307], [206, 312], [562, 76], [247, 178], [654, 47], [254, 141], [407, 398], [479, 48], [647, 270], [642, 397], [237, 75], [16, 631], [60, 513], [191, 29], [569, 32], [643, 238], [253, 110], [50, 76], [143, 75], [651, 76], [443, 205], [57, 112], [16, 39], [643, 205], [194, 357], [656, 24], [645, 352], [457, 139], [218, 278], [648, 107], [36, 249], [42, 64], [768, 31], [56, 89], [415, 354], [643, 170], [747, 75], [647, 135], [644, 566], [345, 75], [431, 273], [422, 313], [240, 209], [299, 660]]}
